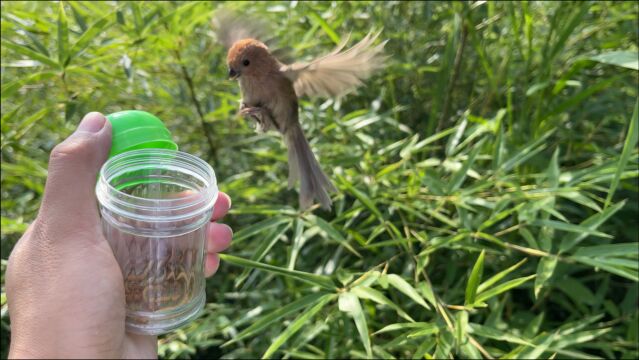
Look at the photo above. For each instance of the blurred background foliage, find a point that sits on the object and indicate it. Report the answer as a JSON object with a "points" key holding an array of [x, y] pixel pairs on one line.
{"points": [[487, 178]]}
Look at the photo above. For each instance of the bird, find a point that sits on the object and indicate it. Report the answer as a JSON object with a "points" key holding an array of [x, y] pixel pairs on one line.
{"points": [[270, 87]]}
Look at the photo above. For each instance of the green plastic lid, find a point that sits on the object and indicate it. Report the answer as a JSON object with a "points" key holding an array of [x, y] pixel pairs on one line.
{"points": [[135, 129]]}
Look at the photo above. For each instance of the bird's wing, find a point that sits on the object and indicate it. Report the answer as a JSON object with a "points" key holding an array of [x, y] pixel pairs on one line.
{"points": [[338, 72]]}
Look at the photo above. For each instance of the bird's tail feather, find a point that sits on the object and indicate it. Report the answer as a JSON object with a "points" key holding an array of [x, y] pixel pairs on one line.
{"points": [[314, 184]]}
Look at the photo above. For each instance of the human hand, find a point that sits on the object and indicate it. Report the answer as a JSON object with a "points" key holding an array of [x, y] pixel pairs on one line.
{"points": [[65, 290]]}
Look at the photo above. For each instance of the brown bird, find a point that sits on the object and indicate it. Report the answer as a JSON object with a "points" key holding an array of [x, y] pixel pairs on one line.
{"points": [[270, 90]]}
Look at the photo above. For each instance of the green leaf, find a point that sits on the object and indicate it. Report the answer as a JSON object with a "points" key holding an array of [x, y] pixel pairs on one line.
{"points": [[33, 55], [628, 147], [459, 177], [12, 226], [349, 303], [529, 150], [482, 297], [623, 249], [365, 292], [332, 233], [627, 59], [11, 88], [324, 25], [615, 266], [591, 223], [403, 326], [274, 317], [545, 270], [298, 242], [251, 230], [445, 342], [319, 280], [474, 279], [495, 278], [297, 324], [427, 290], [570, 228], [92, 32], [492, 333], [424, 331], [63, 36], [461, 322], [402, 285], [262, 250]]}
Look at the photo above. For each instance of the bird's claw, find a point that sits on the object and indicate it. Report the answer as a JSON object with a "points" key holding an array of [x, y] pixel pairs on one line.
{"points": [[255, 113]]}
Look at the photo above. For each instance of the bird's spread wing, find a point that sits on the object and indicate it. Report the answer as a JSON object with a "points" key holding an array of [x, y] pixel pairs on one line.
{"points": [[338, 72]]}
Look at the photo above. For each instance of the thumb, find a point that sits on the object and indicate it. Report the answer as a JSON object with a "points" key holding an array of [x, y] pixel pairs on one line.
{"points": [[69, 195]]}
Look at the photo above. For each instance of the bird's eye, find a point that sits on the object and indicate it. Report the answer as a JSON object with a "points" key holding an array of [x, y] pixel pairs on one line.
{"points": [[246, 63]]}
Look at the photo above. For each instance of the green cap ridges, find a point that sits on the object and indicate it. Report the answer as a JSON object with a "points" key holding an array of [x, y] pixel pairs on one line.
{"points": [[135, 129]]}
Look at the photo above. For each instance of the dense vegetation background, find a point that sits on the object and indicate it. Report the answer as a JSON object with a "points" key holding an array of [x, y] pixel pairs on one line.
{"points": [[488, 177]]}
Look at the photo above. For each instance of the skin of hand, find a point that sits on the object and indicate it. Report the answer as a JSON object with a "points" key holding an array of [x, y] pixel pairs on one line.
{"points": [[270, 90], [65, 290]]}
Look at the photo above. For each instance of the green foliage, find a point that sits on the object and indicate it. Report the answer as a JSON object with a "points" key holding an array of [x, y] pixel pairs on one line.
{"points": [[487, 177]]}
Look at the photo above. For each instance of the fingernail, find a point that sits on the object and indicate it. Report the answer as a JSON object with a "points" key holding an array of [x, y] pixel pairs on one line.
{"points": [[92, 122]]}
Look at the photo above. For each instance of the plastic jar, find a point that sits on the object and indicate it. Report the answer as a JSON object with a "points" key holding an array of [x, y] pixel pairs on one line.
{"points": [[155, 206]]}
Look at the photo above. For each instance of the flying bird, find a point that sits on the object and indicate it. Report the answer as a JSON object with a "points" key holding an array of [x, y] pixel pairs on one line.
{"points": [[270, 89]]}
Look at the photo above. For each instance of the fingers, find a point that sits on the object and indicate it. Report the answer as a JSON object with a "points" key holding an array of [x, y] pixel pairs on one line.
{"points": [[69, 196], [222, 206], [218, 237], [211, 264]]}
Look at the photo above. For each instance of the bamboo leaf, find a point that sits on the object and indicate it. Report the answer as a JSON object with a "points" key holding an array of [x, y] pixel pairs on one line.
{"points": [[34, 55], [319, 280], [402, 285], [591, 223], [297, 324], [403, 326], [63, 36], [495, 278], [251, 230], [482, 297], [474, 279], [349, 303], [274, 317], [89, 35], [365, 292], [570, 228], [628, 147], [262, 250], [545, 270]]}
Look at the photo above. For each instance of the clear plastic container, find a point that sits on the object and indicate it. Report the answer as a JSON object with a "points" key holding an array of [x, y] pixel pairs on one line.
{"points": [[155, 207]]}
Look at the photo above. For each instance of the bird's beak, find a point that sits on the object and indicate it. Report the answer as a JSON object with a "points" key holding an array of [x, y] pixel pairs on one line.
{"points": [[233, 74]]}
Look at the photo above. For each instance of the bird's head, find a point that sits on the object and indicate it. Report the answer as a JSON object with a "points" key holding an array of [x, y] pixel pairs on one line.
{"points": [[249, 57]]}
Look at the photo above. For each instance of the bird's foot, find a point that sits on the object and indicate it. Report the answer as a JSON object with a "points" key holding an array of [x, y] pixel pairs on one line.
{"points": [[257, 114]]}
